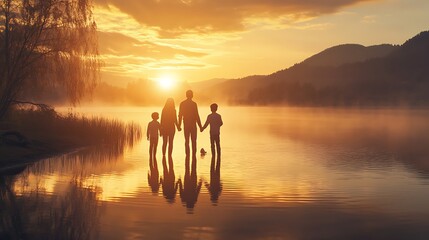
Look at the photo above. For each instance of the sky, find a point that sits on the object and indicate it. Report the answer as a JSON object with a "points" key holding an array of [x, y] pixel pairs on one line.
{"points": [[196, 40]]}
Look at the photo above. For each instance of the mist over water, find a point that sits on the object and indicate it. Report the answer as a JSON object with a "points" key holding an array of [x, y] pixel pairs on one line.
{"points": [[299, 173]]}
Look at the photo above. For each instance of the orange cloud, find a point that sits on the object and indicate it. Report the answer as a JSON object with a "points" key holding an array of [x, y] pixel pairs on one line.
{"points": [[127, 56], [122, 45], [177, 17]]}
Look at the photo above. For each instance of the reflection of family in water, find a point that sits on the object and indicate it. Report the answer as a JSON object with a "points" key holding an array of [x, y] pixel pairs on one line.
{"points": [[215, 186], [190, 188], [188, 114], [168, 181]]}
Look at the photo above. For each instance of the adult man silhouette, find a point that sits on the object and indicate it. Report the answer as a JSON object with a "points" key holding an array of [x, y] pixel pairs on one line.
{"points": [[188, 112]]}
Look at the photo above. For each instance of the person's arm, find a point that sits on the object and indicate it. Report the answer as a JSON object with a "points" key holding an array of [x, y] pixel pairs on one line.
{"points": [[176, 122], [161, 122], [206, 123], [147, 131], [180, 114], [198, 117], [221, 122]]}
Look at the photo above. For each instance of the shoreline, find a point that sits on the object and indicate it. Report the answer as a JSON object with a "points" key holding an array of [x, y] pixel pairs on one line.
{"points": [[30, 135], [30, 155]]}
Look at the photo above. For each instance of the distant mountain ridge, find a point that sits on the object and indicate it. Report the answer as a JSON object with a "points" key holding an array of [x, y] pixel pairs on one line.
{"points": [[344, 75], [349, 53], [207, 83]]}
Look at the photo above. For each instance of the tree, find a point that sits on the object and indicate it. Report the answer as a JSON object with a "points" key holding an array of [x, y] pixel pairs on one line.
{"points": [[47, 43]]}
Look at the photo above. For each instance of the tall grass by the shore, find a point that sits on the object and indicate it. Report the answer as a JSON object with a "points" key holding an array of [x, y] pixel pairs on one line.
{"points": [[52, 130]]}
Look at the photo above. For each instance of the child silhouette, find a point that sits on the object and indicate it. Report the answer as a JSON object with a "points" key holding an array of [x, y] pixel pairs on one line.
{"points": [[153, 130], [215, 121]]}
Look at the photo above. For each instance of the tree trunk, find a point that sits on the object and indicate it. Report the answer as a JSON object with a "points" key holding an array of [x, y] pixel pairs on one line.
{"points": [[4, 107]]}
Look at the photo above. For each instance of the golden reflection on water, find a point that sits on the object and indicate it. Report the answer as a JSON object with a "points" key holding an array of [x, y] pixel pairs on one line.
{"points": [[359, 160], [276, 154]]}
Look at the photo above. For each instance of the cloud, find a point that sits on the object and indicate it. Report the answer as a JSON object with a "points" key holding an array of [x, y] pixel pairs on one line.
{"points": [[128, 48], [120, 44], [176, 17], [127, 56], [133, 66], [369, 19]]}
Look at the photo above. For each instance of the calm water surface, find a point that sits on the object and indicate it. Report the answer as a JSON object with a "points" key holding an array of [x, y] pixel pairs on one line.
{"points": [[285, 173]]}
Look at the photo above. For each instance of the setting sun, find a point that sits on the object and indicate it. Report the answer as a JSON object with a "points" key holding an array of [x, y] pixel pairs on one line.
{"points": [[239, 119], [166, 82]]}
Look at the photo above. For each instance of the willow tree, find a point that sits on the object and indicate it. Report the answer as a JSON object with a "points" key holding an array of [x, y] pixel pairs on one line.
{"points": [[47, 43]]}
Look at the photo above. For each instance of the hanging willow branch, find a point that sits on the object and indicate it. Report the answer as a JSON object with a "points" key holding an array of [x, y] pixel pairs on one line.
{"points": [[47, 43]]}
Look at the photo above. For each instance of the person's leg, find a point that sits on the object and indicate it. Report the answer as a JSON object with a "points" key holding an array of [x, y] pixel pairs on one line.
{"points": [[151, 153], [212, 165], [187, 165], [155, 146], [170, 165], [164, 165], [187, 136], [164, 144], [217, 143], [170, 144], [194, 141], [212, 144], [194, 167]]}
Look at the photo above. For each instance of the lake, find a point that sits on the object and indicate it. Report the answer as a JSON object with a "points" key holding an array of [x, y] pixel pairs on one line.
{"points": [[285, 173]]}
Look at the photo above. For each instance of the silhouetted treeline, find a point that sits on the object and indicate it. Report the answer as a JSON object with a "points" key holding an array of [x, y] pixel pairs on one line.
{"points": [[395, 75]]}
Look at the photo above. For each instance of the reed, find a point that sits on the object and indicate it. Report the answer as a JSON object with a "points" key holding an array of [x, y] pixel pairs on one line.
{"points": [[48, 129]]}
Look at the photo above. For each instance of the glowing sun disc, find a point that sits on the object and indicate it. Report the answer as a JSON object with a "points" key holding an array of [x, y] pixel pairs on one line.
{"points": [[166, 82]]}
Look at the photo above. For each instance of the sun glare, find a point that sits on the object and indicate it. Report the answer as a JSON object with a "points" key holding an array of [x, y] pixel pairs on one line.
{"points": [[166, 82]]}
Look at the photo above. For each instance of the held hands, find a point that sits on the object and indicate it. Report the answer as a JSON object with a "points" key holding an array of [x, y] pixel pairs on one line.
{"points": [[201, 129]]}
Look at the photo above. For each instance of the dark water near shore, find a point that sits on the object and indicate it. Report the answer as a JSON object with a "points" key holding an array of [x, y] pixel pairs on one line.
{"points": [[285, 173]]}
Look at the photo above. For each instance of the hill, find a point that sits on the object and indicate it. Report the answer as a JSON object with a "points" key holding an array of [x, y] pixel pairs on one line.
{"points": [[348, 53], [390, 75], [207, 83]]}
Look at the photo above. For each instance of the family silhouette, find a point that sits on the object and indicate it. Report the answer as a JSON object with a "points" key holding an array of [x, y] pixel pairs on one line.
{"points": [[214, 186], [215, 121], [153, 176], [188, 114], [153, 131], [168, 181], [190, 188], [168, 126]]}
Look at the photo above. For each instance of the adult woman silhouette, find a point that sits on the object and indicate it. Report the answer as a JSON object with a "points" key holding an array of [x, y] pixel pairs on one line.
{"points": [[168, 126]]}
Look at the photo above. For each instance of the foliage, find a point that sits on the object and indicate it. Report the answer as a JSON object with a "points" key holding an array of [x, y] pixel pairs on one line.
{"points": [[47, 43], [73, 129], [400, 78]]}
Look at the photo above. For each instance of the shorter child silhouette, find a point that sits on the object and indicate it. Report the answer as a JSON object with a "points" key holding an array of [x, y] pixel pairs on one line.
{"points": [[153, 129], [215, 121]]}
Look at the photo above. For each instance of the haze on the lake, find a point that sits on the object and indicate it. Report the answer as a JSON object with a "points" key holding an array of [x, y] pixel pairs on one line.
{"points": [[290, 119]]}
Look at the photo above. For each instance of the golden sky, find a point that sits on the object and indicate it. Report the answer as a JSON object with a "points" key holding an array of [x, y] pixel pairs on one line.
{"points": [[195, 40]]}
